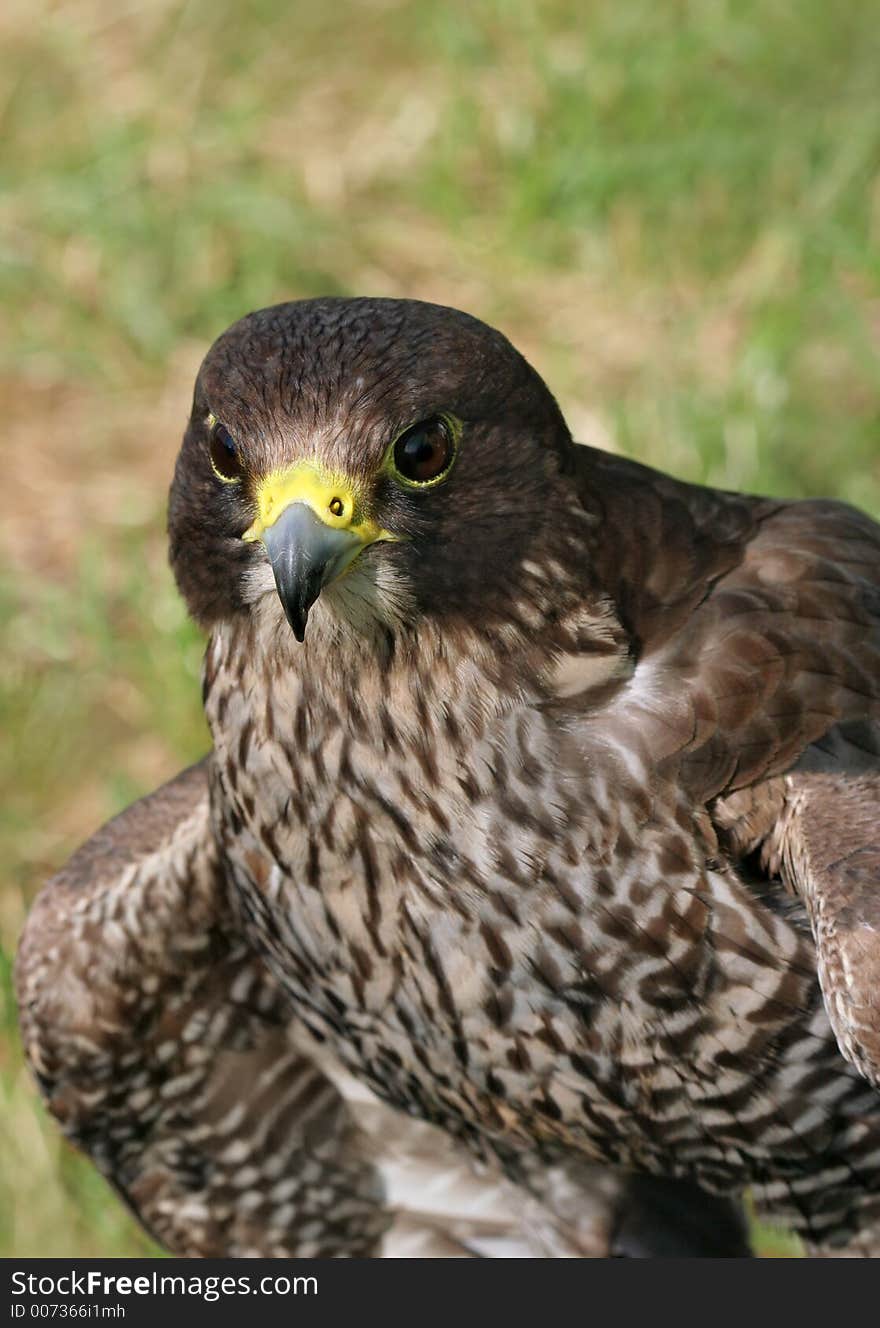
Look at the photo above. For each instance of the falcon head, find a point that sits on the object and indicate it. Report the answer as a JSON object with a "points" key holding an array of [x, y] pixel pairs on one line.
{"points": [[395, 458]]}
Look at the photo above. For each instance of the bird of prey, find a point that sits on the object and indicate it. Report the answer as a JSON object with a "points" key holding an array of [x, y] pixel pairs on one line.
{"points": [[529, 898]]}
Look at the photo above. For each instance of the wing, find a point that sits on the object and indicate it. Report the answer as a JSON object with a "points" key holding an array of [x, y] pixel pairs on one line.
{"points": [[755, 627], [786, 651], [164, 1051], [827, 846]]}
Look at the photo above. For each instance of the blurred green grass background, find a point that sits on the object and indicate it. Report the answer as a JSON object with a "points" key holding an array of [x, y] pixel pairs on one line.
{"points": [[674, 210]]}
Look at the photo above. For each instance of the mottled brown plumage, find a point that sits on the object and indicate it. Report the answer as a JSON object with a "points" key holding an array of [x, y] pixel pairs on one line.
{"points": [[546, 835]]}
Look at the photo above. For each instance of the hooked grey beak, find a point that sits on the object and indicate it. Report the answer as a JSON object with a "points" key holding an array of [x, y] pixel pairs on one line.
{"points": [[306, 555]]}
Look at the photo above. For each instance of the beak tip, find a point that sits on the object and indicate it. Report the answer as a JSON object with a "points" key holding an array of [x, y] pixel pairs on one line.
{"points": [[304, 554], [297, 616]]}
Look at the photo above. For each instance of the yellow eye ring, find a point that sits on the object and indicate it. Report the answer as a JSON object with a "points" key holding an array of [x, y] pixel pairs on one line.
{"points": [[223, 453], [423, 455]]}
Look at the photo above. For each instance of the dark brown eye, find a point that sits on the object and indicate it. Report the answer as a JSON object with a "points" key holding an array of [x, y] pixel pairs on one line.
{"points": [[224, 454], [425, 451]]}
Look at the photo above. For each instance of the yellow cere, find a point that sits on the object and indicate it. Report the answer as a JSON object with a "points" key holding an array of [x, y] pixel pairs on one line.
{"points": [[331, 497]]}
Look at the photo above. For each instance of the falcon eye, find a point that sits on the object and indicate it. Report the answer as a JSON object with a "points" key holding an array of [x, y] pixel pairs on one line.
{"points": [[224, 456], [424, 453]]}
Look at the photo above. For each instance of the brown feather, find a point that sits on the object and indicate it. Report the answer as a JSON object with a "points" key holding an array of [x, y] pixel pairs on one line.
{"points": [[548, 832]]}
